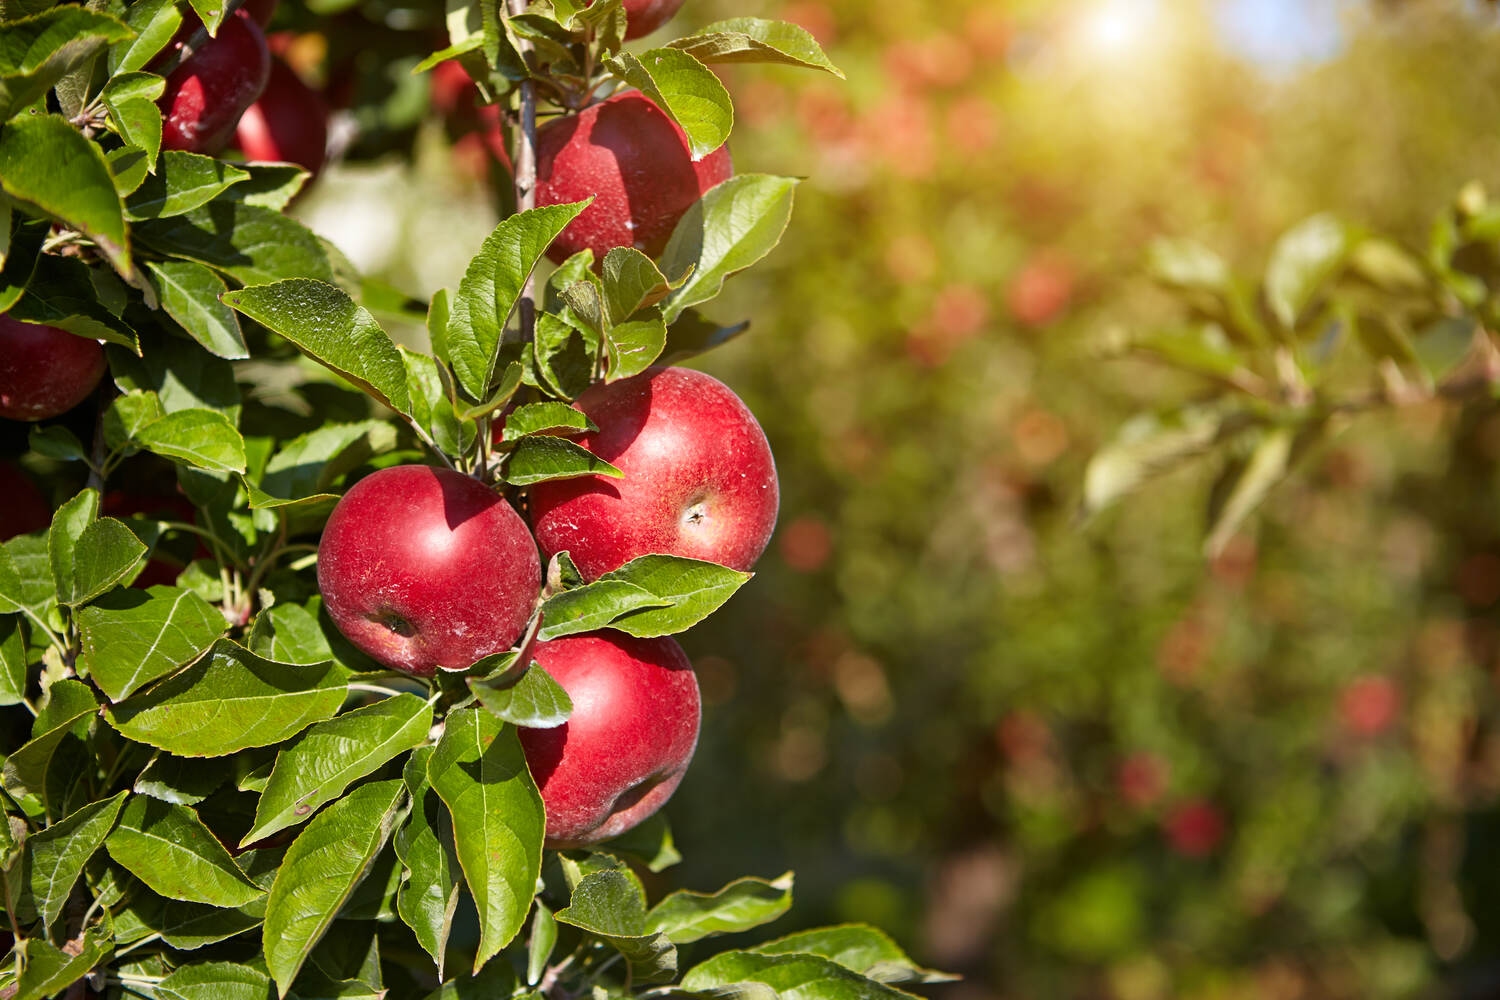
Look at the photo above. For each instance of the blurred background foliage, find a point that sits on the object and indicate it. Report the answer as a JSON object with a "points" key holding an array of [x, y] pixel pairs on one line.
{"points": [[1068, 758]]}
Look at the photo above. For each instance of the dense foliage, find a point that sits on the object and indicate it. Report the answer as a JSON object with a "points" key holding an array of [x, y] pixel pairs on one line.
{"points": [[208, 790]]}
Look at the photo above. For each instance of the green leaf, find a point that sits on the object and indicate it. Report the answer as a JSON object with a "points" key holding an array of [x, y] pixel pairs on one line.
{"points": [[692, 334], [563, 356], [428, 895], [28, 774], [545, 418], [180, 780], [215, 981], [732, 226], [694, 589], [26, 575], [68, 524], [190, 293], [167, 847], [89, 556], [132, 637], [36, 52], [480, 773], [631, 282], [62, 293], [313, 462], [321, 870], [541, 457], [204, 439], [183, 376], [1304, 258], [1187, 265], [755, 40], [540, 942], [859, 948], [432, 407], [593, 606], [686, 90], [48, 971], [631, 347], [793, 977], [529, 698], [649, 842], [609, 904], [271, 185], [1267, 466], [55, 856], [333, 755], [138, 121], [492, 285], [228, 701], [1148, 445], [154, 23], [741, 905], [13, 661], [331, 328], [56, 441], [46, 162], [211, 12], [252, 244], [185, 181]]}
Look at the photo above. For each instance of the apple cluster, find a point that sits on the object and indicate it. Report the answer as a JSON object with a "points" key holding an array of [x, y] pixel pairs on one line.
{"points": [[232, 88], [427, 569]]}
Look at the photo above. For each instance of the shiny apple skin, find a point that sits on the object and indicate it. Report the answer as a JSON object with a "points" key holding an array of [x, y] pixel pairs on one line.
{"points": [[644, 16], [427, 569], [699, 477], [289, 123], [210, 89], [45, 371], [629, 741], [636, 162]]}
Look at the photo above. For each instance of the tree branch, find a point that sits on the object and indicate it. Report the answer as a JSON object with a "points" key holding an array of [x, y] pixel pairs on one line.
{"points": [[523, 162]]}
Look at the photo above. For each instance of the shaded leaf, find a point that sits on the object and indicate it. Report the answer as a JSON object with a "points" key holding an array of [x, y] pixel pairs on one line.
{"points": [[321, 870], [230, 700], [167, 847]]}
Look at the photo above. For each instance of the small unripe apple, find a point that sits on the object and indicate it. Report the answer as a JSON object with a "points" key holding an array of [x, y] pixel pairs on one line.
{"points": [[289, 123], [210, 89], [636, 162], [630, 738], [23, 509], [45, 371], [699, 477], [426, 568]]}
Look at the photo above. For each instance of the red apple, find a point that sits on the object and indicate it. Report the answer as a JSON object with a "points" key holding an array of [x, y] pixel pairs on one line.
{"points": [[426, 568], [635, 161], [629, 741], [45, 371], [261, 11], [1195, 828], [210, 89], [289, 123], [699, 477], [23, 509], [644, 16]]}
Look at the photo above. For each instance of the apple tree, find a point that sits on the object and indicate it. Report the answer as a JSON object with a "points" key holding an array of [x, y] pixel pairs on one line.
{"points": [[334, 667]]}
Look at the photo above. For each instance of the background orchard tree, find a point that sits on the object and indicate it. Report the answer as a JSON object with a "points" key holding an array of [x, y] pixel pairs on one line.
{"points": [[294, 703]]}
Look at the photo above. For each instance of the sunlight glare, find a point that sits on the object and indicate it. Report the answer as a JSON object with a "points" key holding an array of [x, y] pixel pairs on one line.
{"points": [[1112, 28]]}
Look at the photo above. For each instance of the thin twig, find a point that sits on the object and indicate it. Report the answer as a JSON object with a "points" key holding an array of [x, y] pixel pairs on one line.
{"points": [[524, 163]]}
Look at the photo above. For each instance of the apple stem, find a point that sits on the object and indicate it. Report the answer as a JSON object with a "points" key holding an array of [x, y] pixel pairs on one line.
{"points": [[525, 172]]}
